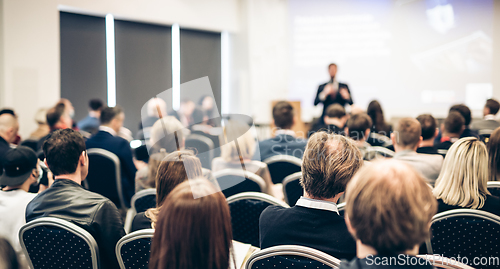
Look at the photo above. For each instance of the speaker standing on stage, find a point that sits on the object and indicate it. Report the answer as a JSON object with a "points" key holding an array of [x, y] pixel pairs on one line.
{"points": [[332, 92]]}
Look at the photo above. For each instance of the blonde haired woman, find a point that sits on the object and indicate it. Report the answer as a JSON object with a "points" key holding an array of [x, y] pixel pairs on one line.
{"points": [[463, 178]]}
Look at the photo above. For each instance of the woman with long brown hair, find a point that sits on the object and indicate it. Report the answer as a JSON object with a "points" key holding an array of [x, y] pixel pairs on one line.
{"points": [[494, 155], [193, 230], [376, 113]]}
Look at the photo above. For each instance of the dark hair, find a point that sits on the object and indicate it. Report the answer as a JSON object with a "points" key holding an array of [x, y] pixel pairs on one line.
{"points": [[193, 229], [428, 124], [283, 115], [454, 123], [335, 111], [8, 256], [464, 111], [7, 111], [54, 114], [494, 155], [62, 150], [377, 115], [95, 104], [109, 113], [408, 132], [358, 124], [493, 106]]}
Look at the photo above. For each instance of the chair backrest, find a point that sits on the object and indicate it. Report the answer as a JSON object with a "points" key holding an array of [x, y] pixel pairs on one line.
{"points": [[56, 243], [281, 166], [376, 152], [234, 181], [288, 256], [382, 140], [132, 250], [465, 233], [443, 262], [204, 146], [143, 200], [292, 189], [494, 188], [245, 213], [105, 175]]}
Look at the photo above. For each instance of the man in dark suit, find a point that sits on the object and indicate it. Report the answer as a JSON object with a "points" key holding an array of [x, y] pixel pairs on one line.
{"points": [[452, 129], [334, 120], [330, 161], [111, 121], [285, 142], [332, 92], [429, 133]]}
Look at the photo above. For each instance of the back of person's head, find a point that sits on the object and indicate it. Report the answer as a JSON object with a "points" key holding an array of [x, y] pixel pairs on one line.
{"points": [[238, 131], [54, 114], [464, 111], [41, 116], [358, 125], [454, 123], [156, 107], [335, 111], [329, 162], [493, 106], [8, 256], [494, 155], [389, 207], [376, 113], [62, 150], [167, 133], [407, 133], [110, 113], [464, 175], [8, 111], [9, 127], [283, 115], [429, 125], [96, 104], [154, 162], [193, 233]]}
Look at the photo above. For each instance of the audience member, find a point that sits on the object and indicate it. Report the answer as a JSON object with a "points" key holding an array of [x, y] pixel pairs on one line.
{"points": [[358, 128], [174, 169], [67, 158], [57, 118], [192, 232], [8, 111], [330, 161], [8, 256], [334, 119], [156, 108], [494, 155], [91, 123], [452, 129], [406, 138], [209, 110], [285, 141], [188, 114], [388, 210], [9, 126], [145, 177], [43, 128], [21, 169], [167, 133], [466, 113], [488, 122], [463, 179], [238, 151], [429, 133], [376, 113], [111, 121]]}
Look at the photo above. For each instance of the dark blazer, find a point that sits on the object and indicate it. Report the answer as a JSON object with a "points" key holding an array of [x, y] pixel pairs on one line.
{"points": [[4, 147], [337, 99], [282, 144], [68, 200], [121, 148], [427, 150], [319, 229], [331, 128], [376, 261], [491, 204]]}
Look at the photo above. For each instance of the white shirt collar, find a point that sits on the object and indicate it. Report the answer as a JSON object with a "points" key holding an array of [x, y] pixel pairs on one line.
{"points": [[489, 117], [317, 204], [284, 132], [107, 129]]}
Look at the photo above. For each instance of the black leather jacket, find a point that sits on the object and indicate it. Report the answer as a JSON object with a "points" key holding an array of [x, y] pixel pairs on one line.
{"points": [[68, 200]]}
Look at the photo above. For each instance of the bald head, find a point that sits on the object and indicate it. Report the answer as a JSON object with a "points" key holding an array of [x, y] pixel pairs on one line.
{"points": [[8, 127]]}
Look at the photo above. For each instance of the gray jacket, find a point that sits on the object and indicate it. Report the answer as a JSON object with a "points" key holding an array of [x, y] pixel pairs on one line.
{"points": [[429, 165]]}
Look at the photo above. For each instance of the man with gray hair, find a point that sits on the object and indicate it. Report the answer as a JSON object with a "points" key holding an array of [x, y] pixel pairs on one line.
{"points": [[8, 133]]}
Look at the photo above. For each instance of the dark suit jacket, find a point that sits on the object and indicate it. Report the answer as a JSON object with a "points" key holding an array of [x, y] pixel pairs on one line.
{"points": [[331, 128], [282, 144], [427, 150], [121, 148], [491, 204], [337, 99], [319, 229], [4, 147]]}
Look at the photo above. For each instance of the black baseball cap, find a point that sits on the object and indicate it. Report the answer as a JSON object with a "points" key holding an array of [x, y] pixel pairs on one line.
{"points": [[18, 164]]}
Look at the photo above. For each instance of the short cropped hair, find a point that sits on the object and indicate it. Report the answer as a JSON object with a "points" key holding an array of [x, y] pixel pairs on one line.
{"points": [[96, 104], [109, 113], [283, 115], [454, 123], [390, 207], [493, 106], [464, 111], [332, 64], [329, 162], [54, 114], [335, 111], [62, 150], [408, 132], [358, 124], [428, 124]]}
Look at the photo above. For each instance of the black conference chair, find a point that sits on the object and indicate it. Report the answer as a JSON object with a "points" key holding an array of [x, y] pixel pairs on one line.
{"points": [[204, 146], [245, 213], [105, 176], [281, 166], [143, 200], [292, 188], [56, 243], [378, 140], [234, 181], [289, 256], [373, 153], [132, 251], [485, 134], [465, 233], [494, 188]]}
